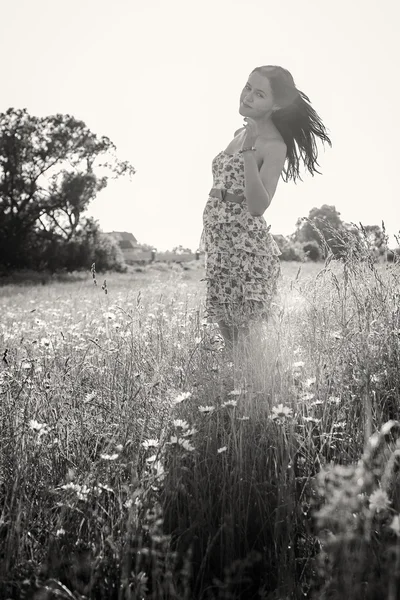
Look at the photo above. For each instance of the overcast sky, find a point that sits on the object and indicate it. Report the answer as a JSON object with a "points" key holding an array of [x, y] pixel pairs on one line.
{"points": [[163, 78]]}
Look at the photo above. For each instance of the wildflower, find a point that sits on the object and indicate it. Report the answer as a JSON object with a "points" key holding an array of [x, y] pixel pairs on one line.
{"points": [[310, 381], [119, 447], [334, 400], [182, 397], [311, 420], [197, 340], [109, 456], [336, 335], [232, 403], [60, 532], [27, 365], [317, 402], [189, 432], [243, 418], [82, 491], [395, 525], [298, 364], [379, 500], [206, 409], [181, 424], [35, 425], [386, 427], [235, 393], [306, 397], [220, 450], [281, 411], [101, 486], [186, 445], [150, 444], [110, 316], [374, 440]]}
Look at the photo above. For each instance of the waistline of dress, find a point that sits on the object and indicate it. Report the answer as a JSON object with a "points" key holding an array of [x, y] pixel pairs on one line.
{"points": [[226, 196]]}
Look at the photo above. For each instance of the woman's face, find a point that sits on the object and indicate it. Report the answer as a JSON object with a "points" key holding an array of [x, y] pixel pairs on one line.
{"points": [[257, 95]]}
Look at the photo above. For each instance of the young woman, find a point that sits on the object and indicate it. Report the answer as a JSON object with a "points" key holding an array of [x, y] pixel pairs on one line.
{"points": [[241, 256]]}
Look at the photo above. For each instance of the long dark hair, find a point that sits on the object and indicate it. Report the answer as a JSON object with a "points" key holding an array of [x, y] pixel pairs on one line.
{"points": [[297, 122]]}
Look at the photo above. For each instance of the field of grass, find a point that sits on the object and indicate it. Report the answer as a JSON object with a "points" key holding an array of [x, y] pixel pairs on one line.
{"points": [[139, 461]]}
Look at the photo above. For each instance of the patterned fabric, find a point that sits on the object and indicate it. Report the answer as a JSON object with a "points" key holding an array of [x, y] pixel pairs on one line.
{"points": [[242, 264]]}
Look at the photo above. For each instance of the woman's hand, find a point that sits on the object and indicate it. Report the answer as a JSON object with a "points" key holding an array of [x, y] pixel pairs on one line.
{"points": [[251, 132]]}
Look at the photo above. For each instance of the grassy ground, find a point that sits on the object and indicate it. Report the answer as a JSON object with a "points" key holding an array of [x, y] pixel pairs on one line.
{"points": [[138, 460]]}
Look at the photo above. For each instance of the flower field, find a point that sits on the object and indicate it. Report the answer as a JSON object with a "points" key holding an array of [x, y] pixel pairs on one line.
{"points": [[139, 460]]}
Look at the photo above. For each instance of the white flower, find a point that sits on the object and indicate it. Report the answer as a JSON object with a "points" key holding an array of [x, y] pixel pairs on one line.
{"points": [[311, 420], [281, 411], [60, 532], [182, 397], [186, 445], [181, 424], [243, 418], [220, 450], [334, 400], [310, 381], [379, 500], [317, 402], [230, 403], [235, 393], [35, 425], [206, 409], [109, 315], [386, 427], [150, 444], [119, 447], [109, 456], [298, 365]]}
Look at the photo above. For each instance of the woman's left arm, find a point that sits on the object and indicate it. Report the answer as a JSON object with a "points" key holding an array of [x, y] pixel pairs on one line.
{"points": [[260, 185]]}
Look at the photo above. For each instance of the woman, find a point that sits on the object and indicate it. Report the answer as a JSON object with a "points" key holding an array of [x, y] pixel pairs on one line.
{"points": [[242, 264]]}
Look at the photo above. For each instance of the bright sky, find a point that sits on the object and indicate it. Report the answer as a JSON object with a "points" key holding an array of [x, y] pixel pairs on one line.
{"points": [[162, 79]]}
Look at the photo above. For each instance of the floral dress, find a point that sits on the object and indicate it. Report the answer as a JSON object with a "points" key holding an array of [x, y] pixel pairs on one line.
{"points": [[241, 256]]}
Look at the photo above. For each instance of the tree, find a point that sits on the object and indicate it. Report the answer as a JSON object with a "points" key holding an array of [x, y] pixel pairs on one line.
{"points": [[47, 180], [323, 226], [181, 250]]}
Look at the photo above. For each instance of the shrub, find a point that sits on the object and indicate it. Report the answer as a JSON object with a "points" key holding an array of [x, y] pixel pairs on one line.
{"points": [[312, 250]]}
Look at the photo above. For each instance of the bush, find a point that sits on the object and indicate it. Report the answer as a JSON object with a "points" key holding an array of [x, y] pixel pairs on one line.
{"points": [[312, 250], [291, 251]]}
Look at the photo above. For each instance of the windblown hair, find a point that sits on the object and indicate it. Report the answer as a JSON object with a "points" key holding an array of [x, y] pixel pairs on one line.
{"points": [[296, 121]]}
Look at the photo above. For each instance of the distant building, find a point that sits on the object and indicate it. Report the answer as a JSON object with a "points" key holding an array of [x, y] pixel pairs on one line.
{"points": [[126, 241]]}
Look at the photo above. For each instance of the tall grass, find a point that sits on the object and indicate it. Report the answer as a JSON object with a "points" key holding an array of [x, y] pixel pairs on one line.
{"points": [[139, 460]]}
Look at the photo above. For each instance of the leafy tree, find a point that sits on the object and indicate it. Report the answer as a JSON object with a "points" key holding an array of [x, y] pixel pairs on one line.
{"points": [[323, 226], [181, 250], [47, 180]]}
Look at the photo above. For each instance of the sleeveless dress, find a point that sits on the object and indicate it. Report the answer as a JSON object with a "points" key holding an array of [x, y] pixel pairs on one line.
{"points": [[241, 256]]}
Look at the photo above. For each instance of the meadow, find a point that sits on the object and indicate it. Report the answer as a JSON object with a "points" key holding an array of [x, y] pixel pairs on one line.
{"points": [[140, 461]]}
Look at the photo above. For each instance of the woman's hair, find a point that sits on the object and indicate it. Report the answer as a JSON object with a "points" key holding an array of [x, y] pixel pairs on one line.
{"points": [[297, 122]]}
